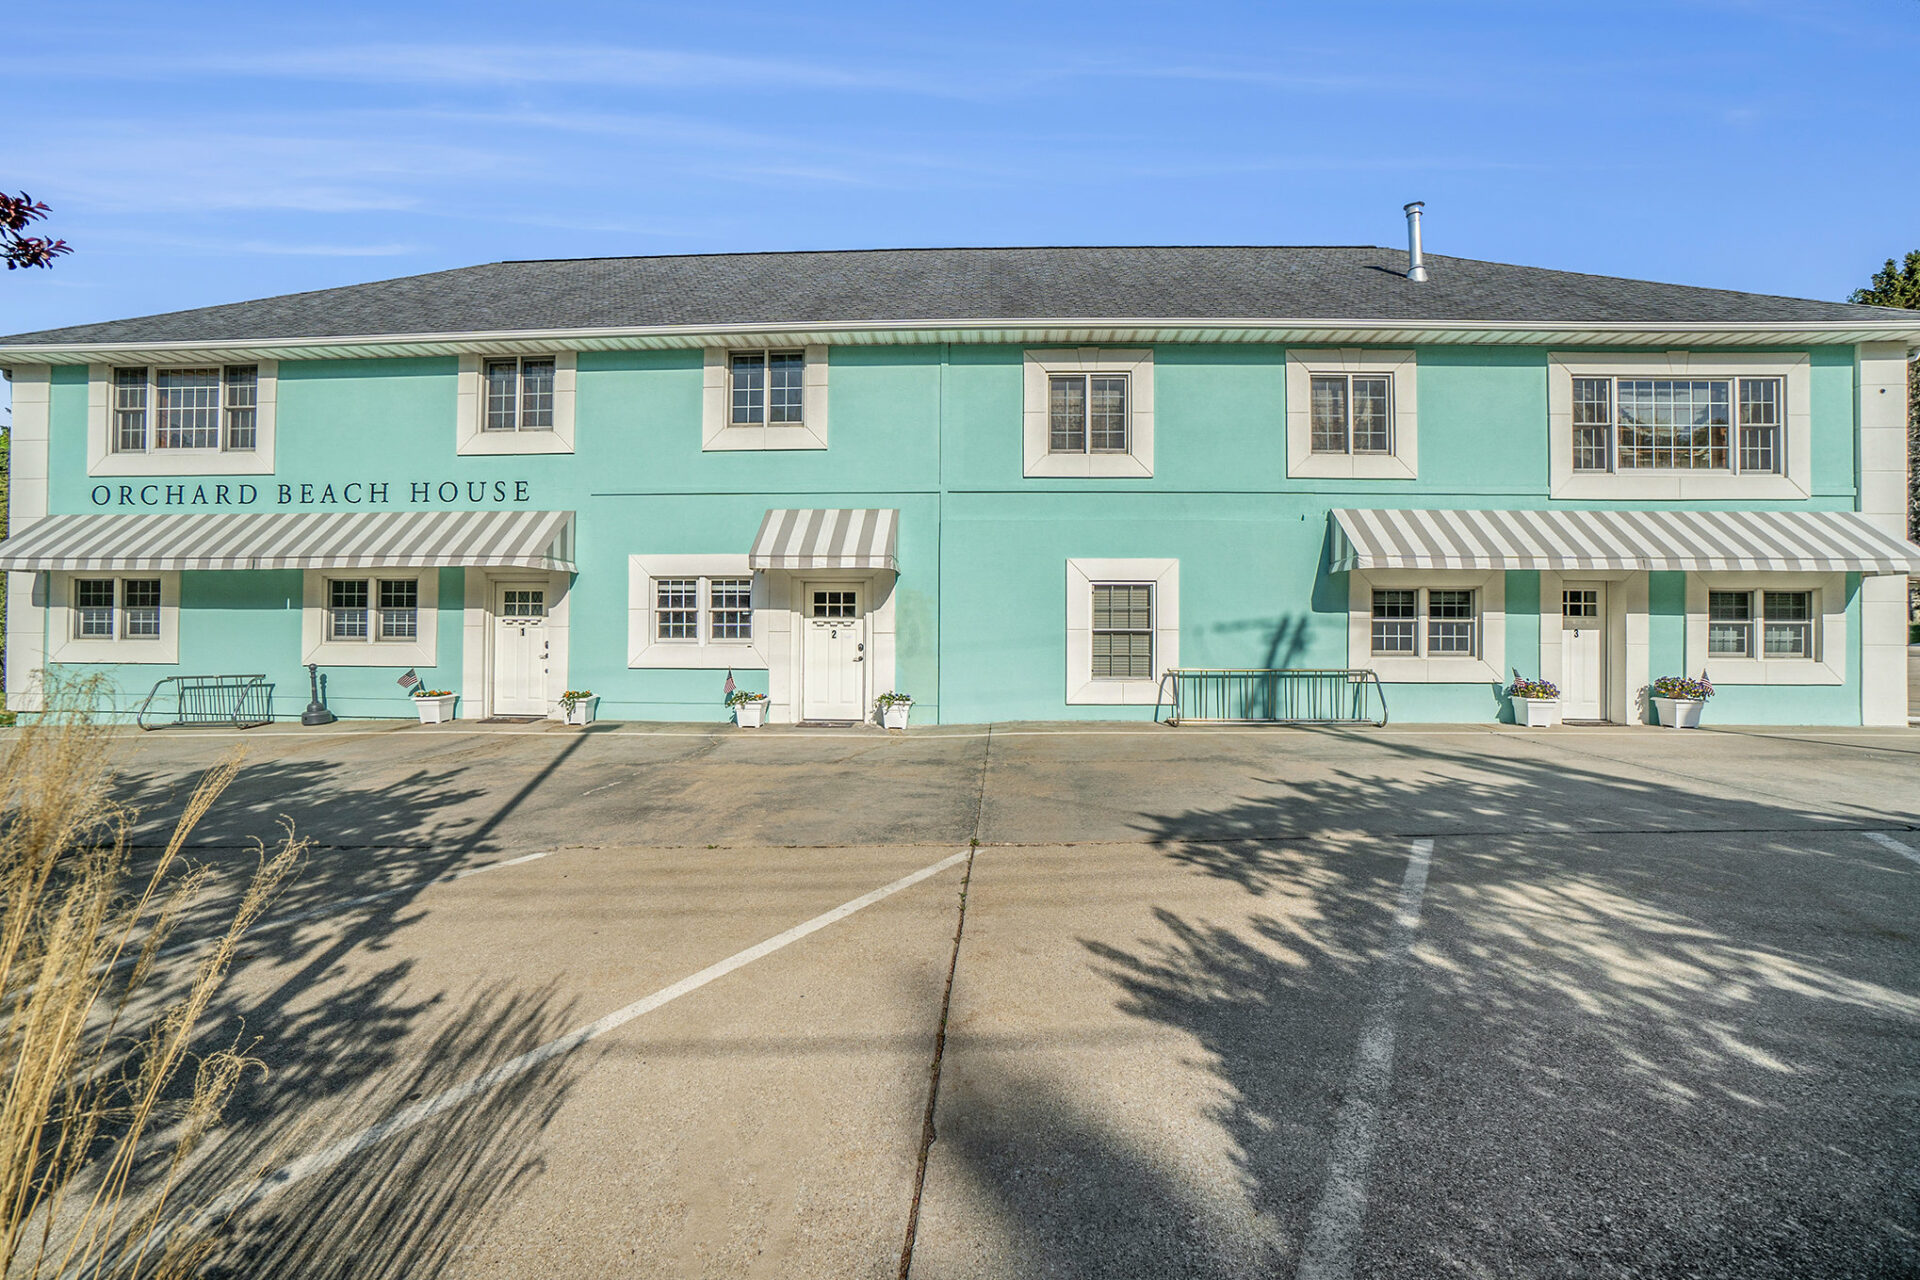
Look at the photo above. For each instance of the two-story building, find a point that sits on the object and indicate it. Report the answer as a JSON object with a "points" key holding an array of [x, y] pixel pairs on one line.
{"points": [[1013, 483]]}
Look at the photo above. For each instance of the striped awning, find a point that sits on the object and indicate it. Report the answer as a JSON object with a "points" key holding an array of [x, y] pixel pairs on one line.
{"points": [[305, 540], [1704, 541], [823, 539]]}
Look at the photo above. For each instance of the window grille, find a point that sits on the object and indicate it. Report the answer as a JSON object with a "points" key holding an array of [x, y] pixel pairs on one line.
{"points": [[677, 608], [1395, 621], [1450, 623], [1351, 413], [347, 609], [730, 602], [399, 609], [1087, 413], [768, 388], [93, 608], [1730, 623], [1787, 631], [141, 597]]}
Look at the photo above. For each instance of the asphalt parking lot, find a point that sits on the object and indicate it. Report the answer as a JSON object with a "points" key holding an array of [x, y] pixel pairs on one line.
{"points": [[1214, 1003]]}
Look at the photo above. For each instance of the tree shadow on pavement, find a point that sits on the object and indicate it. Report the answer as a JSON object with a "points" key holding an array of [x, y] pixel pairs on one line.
{"points": [[1663, 1031]]}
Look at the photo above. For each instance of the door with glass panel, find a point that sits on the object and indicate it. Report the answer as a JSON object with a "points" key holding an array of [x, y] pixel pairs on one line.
{"points": [[1583, 651], [522, 651], [833, 652]]}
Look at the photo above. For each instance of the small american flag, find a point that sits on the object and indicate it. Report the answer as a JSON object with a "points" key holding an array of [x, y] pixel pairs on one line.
{"points": [[410, 679], [1705, 682], [727, 691]]}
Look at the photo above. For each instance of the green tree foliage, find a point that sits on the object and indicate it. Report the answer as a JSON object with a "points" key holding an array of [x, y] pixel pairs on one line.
{"points": [[1898, 285]]}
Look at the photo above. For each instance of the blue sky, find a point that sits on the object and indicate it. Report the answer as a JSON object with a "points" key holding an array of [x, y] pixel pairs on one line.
{"points": [[205, 153]]}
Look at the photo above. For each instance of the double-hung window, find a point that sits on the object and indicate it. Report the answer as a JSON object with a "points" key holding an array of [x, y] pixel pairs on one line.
{"points": [[373, 610], [1434, 622], [1087, 413], [1760, 624], [767, 388], [518, 393], [1352, 413], [213, 409], [703, 610], [116, 608], [1731, 425], [1122, 631]]}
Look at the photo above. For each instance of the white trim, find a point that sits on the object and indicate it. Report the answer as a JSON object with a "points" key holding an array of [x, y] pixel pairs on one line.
{"points": [[1626, 618], [1137, 461], [1403, 463], [644, 649], [26, 505], [1164, 577], [1049, 330], [717, 432], [1828, 665], [1491, 597], [1676, 485], [420, 651], [68, 647], [470, 434], [104, 460], [781, 637]]}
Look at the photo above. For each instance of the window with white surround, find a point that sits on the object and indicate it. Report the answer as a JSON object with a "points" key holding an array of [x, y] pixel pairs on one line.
{"points": [[107, 617], [693, 611], [153, 420], [519, 394], [1691, 424], [372, 618], [764, 398], [1774, 628], [1678, 425], [515, 403], [1352, 414], [1422, 626], [1123, 629], [1088, 413]]}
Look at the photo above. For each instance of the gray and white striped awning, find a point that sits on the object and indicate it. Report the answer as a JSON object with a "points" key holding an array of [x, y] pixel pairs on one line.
{"points": [[1701, 541], [825, 539], [304, 540]]}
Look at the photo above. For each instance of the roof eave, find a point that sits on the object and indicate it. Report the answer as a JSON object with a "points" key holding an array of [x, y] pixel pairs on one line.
{"points": [[1357, 331]]}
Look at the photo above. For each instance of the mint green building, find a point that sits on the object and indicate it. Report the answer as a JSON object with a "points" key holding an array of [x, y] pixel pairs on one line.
{"points": [[1012, 483]]}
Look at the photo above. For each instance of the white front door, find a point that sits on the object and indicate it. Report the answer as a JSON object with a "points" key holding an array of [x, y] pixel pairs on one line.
{"points": [[521, 650], [834, 652], [1583, 651]]}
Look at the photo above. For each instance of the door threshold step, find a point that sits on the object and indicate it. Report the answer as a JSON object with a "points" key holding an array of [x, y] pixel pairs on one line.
{"points": [[828, 724]]}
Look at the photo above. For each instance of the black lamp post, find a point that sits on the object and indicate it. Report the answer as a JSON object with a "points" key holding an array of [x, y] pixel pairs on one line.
{"points": [[315, 713]]}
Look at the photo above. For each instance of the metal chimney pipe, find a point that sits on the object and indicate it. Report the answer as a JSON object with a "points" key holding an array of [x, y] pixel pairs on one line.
{"points": [[1416, 268]]}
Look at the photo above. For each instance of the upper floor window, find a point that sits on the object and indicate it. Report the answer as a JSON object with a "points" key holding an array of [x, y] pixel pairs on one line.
{"points": [[768, 388], [1352, 413], [209, 410], [1087, 413], [1678, 424], [519, 393]]}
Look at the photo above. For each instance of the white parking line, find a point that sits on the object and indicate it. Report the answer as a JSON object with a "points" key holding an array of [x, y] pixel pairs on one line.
{"points": [[1334, 1230], [1888, 843], [420, 1112]]}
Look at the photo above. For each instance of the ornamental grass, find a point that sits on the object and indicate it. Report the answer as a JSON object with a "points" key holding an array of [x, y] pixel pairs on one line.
{"points": [[107, 1093]]}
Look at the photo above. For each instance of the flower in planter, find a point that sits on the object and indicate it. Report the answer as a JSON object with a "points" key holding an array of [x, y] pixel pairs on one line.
{"points": [[432, 693], [886, 700], [1683, 688], [573, 696], [1525, 688], [739, 696]]}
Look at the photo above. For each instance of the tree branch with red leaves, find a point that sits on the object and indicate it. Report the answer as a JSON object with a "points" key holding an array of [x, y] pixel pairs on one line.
{"points": [[23, 250]]}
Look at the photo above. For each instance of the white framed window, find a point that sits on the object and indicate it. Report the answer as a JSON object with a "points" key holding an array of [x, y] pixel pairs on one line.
{"points": [[1352, 414], [1089, 413], [115, 617], [202, 419], [1677, 426], [1731, 425], [370, 618], [694, 611], [764, 398], [519, 393], [1123, 629], [1425, 627], [1776, 628], [515, 402]]}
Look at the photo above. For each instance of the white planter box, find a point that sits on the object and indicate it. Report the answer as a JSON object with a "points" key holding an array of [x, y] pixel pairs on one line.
{"points": [[1679, 713], [435, 710], [583, 709], [894, 715], [750, 715], [1538, 713]]}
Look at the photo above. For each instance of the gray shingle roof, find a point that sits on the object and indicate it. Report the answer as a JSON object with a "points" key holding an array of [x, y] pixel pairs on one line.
{"points": [[882, 285]]}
